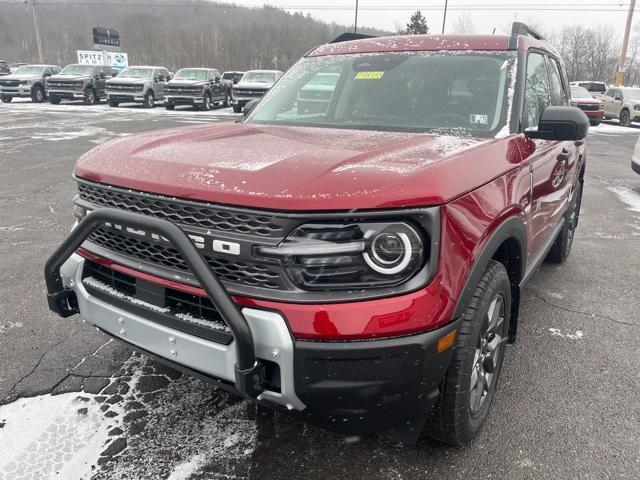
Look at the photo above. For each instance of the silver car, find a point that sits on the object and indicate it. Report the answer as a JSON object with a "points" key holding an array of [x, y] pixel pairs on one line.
{"points": [[144, 84], [253, 85], [27, 81]]}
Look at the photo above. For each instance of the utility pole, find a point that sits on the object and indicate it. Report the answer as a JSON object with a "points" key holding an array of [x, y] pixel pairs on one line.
{"points": [[355, 23], [619, 80], [444, 17], [36, 27]]}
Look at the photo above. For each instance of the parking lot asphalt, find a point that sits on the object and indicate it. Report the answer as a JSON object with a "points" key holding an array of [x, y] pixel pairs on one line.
{"points": [[77, 405]]}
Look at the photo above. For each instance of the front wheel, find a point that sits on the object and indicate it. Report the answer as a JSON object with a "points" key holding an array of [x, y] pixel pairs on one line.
{"points": [[562, 245], [625, 118], [206, 103], [37, 95], [149, 100], [594, 123], [111, 103], [227, 100], [5, 98], [90, 97], [470, 383]]}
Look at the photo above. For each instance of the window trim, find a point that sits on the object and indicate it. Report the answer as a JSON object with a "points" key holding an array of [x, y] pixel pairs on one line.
{"points": [[543, 53]]}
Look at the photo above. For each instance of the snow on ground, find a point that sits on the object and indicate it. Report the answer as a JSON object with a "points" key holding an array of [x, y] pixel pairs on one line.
{"points": [[628, 196], [135, 427], [611, 127]]}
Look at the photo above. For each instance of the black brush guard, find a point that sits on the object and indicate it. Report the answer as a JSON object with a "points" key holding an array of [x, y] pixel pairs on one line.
{"points": [[249, 371]]}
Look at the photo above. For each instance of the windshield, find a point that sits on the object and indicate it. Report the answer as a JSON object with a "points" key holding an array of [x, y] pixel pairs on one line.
{"points": [[462, 91], [137, 72], [631, 94], [77, 70], [259, 77], [191, 74], [235, 77], [579, 92], [29, 69], [596, 87]]}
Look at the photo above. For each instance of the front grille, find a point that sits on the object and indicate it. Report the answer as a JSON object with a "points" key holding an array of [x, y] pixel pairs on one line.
{"points": [[588, 107], [184, 212], [63, 85], [245, 92], [241, 272], [9, 83], [121, 87], [185, 312], [185, 90]]}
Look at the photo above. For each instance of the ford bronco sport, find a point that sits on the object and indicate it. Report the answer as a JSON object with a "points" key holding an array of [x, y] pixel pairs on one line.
{"points": [[359, 266]]}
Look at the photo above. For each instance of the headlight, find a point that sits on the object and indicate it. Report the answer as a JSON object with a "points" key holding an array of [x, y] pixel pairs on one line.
{"points": [[25, 82], [339, 257], [636, 107], [78, 84], [139, 88]]}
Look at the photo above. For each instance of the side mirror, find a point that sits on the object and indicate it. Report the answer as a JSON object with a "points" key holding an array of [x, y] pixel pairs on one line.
{"points": [[102, 75], [562, 124], [250, 105], [618, 97], [156, 79], [235, 81]]}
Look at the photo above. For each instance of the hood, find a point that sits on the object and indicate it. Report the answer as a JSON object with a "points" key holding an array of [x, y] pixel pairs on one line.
{"points": [[186, 83], [69, 77], [22, 76], [127, 80], [585, 100], [254, 85], [296, 168]]}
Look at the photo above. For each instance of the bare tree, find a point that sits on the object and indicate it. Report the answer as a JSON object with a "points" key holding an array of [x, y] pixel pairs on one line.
{"points": [[463, 24]]}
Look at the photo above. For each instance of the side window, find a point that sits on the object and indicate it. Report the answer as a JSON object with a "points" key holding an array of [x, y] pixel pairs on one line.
{"points": [[537, 94], [609, 93], [557, 85]]}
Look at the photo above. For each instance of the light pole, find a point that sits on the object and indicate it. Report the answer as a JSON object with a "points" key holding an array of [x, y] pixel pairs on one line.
{"points": [[619, 80], [444, 17], [36, 27], [355, 23]]}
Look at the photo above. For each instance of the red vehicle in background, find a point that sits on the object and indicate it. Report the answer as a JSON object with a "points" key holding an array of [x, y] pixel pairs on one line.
{"points": [[360, 265], [592, 107]]}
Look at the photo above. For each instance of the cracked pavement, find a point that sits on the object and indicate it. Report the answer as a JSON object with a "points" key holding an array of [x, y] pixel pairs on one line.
{"points": [[566, 407]]}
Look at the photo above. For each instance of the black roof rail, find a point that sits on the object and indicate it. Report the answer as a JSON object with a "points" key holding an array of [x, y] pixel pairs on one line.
{"points": [[348, 36], [519, 28]]}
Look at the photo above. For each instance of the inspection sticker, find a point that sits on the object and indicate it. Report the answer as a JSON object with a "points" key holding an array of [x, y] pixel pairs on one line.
{"points": [[369, 75], [478, 119]]}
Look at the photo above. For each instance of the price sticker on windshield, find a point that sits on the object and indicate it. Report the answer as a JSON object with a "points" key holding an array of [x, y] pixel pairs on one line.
{"points": [[369, 75]]}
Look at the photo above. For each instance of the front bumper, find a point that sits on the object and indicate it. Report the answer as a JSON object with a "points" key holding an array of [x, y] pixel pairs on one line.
{"points": [[137, 97], [242, 101], [66, 94], [183, 99], [385, 386], [594, 114], [19, 91]]}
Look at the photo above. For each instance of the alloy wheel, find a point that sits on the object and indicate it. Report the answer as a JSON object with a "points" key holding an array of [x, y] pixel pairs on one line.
{"points": [[487, 354]]}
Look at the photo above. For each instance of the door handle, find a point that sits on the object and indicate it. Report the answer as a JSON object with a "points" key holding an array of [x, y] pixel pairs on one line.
{"points": [[565, 155]]}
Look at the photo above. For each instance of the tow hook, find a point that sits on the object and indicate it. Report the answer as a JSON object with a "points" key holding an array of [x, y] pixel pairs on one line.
{"points": [[251, 381], [63, 302]]}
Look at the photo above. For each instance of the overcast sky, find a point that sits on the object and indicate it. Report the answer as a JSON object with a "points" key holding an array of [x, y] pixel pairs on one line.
{"points": [[485, 14]]}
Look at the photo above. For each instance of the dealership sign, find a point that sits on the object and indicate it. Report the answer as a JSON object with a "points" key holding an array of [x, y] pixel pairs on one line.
{"points": [[117, 60], [106, 38]]}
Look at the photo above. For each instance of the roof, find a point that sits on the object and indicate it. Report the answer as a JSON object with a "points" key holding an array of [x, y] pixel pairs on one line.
{"points": [[416, 43], [265, 71]]}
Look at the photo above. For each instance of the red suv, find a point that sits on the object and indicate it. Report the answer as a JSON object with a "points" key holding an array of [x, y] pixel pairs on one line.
{"points": [[359, 265]]}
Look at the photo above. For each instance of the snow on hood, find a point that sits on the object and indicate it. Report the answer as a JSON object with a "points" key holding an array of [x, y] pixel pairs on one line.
{"points": [[289, 167], [257, 85], [128, 80], [69, 76], [21, 76], [186, 82]]}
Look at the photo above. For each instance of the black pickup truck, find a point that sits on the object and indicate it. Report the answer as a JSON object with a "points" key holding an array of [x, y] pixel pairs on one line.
{"points": [[79, 82], [198, 87]]}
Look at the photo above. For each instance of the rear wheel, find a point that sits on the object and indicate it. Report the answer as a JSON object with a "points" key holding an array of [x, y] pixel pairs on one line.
{"points": [[149, 100], [170, 106], [6, 98], [562, 245], [112, 103], [625, 118], [470, 384], [37, 95]]}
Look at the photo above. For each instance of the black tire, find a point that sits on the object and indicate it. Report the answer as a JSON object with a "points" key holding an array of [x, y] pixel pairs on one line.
{"points": [[149, 100], [227, 100], [625, 118], [112, 103], [561, 247], [237, 109], [170, 106], [5, 98], [594, 123], [206, 102], [54, 100], [462, 409], [90, 97], [38, 94]]}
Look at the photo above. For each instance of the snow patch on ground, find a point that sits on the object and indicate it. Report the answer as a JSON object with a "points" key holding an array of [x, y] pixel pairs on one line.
{"points": [[556, 332], [4, 327], [65, 435], [609, 129], [631, 198]]}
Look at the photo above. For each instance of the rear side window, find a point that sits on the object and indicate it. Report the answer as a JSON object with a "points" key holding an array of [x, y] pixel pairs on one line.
{"points": [[610, 93], [559, 94], [537, 90]]}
